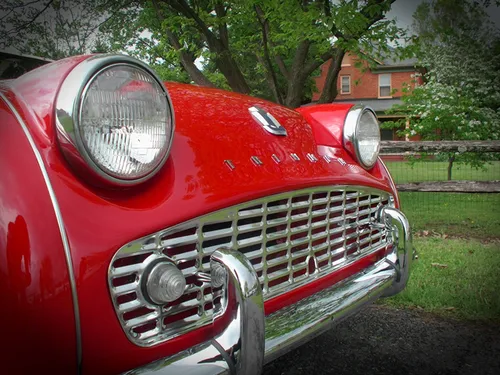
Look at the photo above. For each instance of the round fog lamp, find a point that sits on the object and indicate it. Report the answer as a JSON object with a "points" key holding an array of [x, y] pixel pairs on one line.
{"points": [[218, 274], [165, 283]]}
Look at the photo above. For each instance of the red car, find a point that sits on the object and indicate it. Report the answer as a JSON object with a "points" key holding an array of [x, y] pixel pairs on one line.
{"points": [[150, 228]]}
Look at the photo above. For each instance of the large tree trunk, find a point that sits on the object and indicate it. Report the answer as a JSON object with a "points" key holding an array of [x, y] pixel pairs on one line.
{"points": [[266, 59], [271, 79], [185, 57], [297, 77], [230, 69], [187, 62], [330, 88], [219, 46]]}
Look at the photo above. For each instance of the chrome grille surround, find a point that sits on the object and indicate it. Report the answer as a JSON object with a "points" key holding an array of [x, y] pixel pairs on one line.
{"points": [[290, 238]]}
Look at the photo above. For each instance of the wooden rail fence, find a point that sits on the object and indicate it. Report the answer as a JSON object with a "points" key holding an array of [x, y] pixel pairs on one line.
{"points": [[404, 147]]}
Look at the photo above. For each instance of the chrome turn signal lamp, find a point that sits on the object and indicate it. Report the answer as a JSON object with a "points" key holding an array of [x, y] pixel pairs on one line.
{"points": [[362, 135], [114, 117], [164, 283]]}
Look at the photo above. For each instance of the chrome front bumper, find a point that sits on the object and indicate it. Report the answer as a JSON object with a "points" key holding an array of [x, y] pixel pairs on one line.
{"points": [[250, 339]]}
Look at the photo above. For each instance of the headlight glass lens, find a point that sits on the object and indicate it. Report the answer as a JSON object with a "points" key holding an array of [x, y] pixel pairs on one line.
{"points": [[367, 139], [125, 122]]}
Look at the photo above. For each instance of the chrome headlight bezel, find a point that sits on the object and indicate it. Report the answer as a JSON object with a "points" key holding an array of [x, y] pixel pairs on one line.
{"points": [[351, 134], [68, 108]]}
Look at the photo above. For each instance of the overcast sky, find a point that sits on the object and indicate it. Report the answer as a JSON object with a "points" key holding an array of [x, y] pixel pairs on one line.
{"points": [[402, 11]]}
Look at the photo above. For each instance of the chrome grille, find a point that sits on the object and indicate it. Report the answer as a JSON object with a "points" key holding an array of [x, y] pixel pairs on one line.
{"points": [[290, 238]]}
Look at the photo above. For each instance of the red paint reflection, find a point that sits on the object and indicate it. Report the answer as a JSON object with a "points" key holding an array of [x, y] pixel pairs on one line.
{"points": [[19, 257]]}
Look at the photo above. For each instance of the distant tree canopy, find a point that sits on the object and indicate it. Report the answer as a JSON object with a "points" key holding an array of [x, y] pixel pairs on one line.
{"points": [[268, 48], [459, 48]]}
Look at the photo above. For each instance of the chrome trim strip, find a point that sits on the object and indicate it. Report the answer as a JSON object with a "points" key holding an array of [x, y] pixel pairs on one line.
{"points": [[60, 223], [312, 158], [229, 164], [256, 161]]}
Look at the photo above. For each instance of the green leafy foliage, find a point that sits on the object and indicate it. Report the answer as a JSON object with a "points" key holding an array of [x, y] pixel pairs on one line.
{"points": [[268, 48], [460, 51]]}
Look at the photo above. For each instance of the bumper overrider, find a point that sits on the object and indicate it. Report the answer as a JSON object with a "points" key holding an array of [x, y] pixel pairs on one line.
{"points": [[250, 339]]}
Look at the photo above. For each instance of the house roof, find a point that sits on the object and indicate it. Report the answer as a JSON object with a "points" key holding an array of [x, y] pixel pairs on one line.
{"points": [[378, 105], [389, 61], [397, 63]]}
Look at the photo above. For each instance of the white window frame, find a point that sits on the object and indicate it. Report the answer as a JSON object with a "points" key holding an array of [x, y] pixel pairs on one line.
{"points": [[390, 85], [342, 85], [416, 77]]}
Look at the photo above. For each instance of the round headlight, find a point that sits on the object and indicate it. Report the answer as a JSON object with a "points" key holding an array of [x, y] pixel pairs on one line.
{"points": [[117, 114], [362, 135]]}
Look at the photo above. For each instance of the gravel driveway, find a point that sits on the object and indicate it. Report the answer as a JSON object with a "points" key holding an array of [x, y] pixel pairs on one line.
{"points": [[388, 341]]}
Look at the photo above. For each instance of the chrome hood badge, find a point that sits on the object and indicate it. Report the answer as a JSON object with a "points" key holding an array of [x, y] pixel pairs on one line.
{"points": [[268, 122]]}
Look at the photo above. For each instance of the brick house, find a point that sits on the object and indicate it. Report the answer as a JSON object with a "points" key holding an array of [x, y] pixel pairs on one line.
{"points": [[379, 87]]}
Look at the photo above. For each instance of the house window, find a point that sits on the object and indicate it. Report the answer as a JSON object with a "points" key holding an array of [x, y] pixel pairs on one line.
{"points": [[384, 85], [345, 85], [416, 79]]}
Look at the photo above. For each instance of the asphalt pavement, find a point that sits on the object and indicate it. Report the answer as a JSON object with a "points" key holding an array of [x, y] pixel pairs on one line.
{"points": [[383, 340]]}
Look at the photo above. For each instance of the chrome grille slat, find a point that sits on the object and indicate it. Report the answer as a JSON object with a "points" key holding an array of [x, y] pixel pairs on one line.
{"points": [[175, 241], [277, 261], [142, 319], [279, 234], [187, 305], [250, 227], [250, 241], [127, 270], [129, 306], [277, 248], [217, 234], [124, 289], [187, 256]]}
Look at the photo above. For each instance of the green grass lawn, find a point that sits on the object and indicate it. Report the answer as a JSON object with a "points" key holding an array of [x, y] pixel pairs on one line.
{"points": [[454, 214], [457, 237], [404, 172], [454, 277]]}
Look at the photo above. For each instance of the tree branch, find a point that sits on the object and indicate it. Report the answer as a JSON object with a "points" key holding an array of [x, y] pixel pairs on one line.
{"points": [[221, 12], [315, 64], [185, 57], [11, 10], [264, 23], [183, 8], [371, 20], [38, 14]]}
